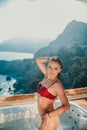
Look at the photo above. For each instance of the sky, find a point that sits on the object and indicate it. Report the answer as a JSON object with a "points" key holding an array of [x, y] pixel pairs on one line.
{"points": [[38, 19]]}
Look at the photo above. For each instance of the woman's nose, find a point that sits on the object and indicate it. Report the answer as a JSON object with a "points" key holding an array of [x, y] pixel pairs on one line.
{"points": [[52, 69]]}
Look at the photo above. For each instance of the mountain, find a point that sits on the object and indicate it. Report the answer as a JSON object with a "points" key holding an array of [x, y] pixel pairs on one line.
{"points": [[19, 44], [70, 46], [75, 33]]}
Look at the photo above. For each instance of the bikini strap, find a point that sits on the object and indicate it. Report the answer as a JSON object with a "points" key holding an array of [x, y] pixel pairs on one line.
{"points": [[52, 84]]}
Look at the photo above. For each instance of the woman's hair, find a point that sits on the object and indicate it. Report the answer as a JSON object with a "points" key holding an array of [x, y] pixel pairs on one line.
{"points": [[56, 59]]}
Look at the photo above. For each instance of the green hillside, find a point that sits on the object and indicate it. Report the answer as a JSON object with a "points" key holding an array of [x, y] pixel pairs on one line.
{"points": [[70, 45]]}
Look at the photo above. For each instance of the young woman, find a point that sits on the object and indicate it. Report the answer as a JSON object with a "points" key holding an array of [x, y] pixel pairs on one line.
{"points": [[48, 90]]}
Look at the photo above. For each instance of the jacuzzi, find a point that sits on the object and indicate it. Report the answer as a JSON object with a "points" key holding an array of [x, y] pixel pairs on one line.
{"points": [[26, 117]]}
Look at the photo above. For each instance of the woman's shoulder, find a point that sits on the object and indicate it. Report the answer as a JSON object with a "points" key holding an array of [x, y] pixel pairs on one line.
{"points": [[59, 85]]}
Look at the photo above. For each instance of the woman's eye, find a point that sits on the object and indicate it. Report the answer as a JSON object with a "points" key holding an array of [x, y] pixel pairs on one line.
{"points": [[55, 68]]}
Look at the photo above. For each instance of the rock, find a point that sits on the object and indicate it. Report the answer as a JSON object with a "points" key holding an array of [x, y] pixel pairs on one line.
{"points": [[8, 78]]}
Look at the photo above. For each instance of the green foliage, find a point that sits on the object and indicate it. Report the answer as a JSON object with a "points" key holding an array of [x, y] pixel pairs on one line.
{"points": [[80, 80], [70, 46]]}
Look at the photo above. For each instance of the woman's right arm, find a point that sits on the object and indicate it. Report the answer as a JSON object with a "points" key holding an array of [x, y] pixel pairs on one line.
{"points": [[40, 62]]}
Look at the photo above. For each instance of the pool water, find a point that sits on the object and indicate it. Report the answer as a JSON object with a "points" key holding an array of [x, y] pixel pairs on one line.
{"points": [[33, 123], [27, 118], [20, 124]]}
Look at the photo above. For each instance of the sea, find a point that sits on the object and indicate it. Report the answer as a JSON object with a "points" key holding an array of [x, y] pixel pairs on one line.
{"points": [[6, 87], [8, 56]]}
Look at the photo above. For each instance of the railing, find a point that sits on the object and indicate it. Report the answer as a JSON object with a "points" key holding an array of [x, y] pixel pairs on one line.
{"points": [[23, 99], [76, 91], [75, 94]]}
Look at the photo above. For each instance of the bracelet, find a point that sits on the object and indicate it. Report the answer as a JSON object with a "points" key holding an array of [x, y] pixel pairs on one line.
{"points": [[49, 115]]}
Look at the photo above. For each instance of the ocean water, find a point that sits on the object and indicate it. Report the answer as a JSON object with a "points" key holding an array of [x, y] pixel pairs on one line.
{"points": [[6, 87], [8, 56], [26, 117]]}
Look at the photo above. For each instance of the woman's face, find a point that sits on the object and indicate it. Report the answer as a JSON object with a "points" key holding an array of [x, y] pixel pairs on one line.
{"points": [[53, 68]]}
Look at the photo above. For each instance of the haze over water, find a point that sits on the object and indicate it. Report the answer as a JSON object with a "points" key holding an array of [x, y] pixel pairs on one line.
{"points": [[8, 56]]}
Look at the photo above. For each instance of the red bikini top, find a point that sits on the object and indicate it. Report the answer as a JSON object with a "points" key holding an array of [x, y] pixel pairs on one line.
{"points": [[43, 91]]}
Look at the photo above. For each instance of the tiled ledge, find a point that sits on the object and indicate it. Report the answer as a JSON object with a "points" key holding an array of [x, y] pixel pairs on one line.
{"points": [[23, 99]]}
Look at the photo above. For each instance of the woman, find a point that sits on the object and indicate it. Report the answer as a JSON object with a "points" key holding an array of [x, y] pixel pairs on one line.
{"points": [[48, 90]]}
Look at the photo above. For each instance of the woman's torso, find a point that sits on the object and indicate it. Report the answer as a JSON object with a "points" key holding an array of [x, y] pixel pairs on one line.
{"points": [[45, 102]]}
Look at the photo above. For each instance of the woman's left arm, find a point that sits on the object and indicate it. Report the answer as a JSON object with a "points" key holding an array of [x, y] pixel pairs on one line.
{"points": [[64, 101]]}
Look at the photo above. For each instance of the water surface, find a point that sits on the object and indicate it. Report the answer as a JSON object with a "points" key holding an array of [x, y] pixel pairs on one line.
{"points": [[15, 56]]}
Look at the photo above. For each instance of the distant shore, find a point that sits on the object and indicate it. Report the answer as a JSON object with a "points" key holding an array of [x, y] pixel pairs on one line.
{"points": [[8, 56]]}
